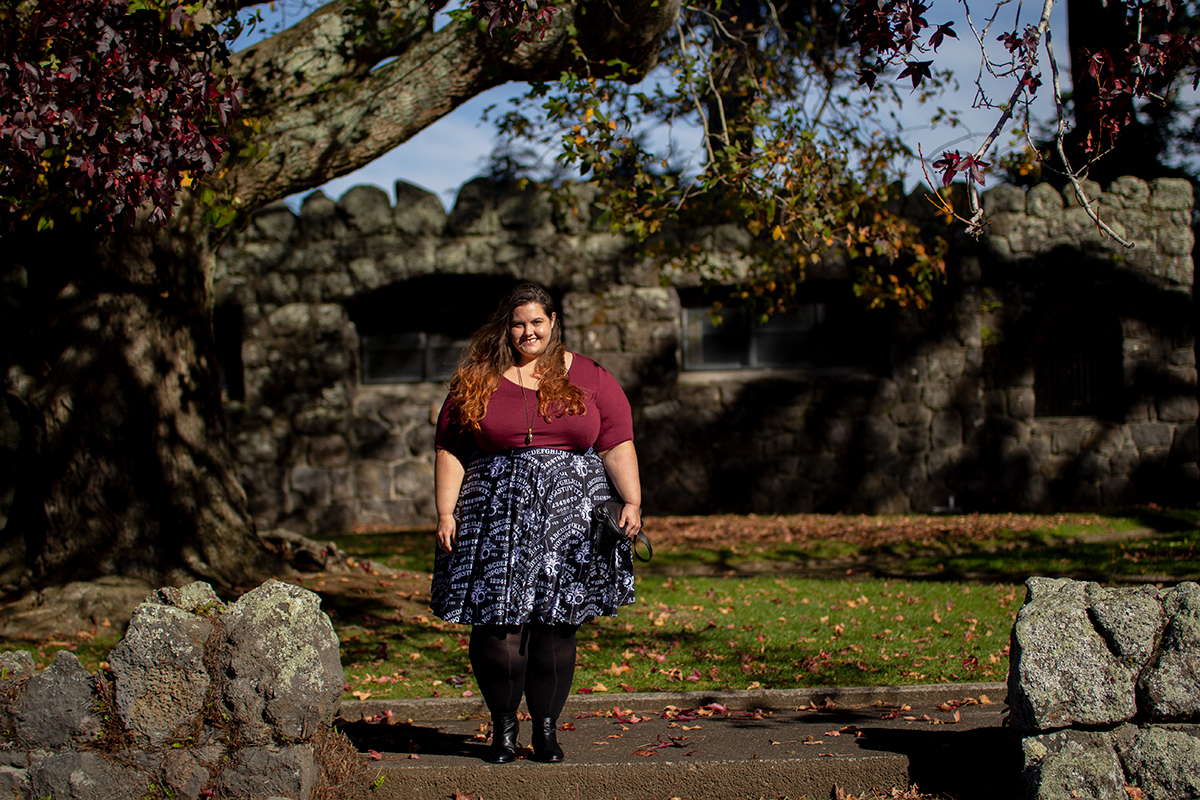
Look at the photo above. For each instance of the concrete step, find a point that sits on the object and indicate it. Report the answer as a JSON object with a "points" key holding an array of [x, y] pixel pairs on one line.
{"points": [[705, 746]]}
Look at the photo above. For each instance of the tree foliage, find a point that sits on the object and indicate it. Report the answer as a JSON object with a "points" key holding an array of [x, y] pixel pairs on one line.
{"points": [[1132, 56], [752, 120], [109, 104]]}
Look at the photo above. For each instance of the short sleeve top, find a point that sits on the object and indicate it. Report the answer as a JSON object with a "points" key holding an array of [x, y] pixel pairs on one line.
{"points": [[607, 423]]}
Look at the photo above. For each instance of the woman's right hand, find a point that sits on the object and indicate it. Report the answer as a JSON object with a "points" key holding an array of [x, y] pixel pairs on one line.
{"points": [[447, 533]]}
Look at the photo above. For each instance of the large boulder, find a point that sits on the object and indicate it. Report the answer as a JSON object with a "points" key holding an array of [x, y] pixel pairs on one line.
{"points": [[277, 664], [71, 775], [1165, 763], [1070, 764], [161, 680], [58, 707], [1073, 665], [1170, 689]]}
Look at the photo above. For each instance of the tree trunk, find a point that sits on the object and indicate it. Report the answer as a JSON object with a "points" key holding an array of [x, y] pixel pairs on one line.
{"points": [[126, 468]]}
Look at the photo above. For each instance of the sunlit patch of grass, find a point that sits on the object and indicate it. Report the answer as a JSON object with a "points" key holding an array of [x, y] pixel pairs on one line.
{"points": [[711, 633]]}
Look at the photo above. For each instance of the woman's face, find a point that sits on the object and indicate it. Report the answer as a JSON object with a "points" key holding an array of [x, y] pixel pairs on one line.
{"points": [[529, 331]]}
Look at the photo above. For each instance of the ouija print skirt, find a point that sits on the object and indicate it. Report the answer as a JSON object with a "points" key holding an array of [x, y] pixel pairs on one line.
{"points": [[525, 550]]}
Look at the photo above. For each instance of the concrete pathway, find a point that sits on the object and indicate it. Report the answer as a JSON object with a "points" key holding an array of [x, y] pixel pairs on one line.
{"points": [[946, 739]]}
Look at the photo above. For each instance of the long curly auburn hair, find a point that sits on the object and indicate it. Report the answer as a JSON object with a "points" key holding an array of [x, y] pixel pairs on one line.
{"points": [[490, 353]]}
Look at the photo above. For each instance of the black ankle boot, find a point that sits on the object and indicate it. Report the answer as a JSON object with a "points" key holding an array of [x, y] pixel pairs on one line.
{"points": [[545, 741], [504, 739]]}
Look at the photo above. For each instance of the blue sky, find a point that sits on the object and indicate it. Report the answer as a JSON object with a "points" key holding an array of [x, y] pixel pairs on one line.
{"points": [[455, 149]]}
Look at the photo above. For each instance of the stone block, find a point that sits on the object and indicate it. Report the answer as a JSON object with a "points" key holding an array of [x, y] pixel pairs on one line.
{"points": [[1165, 763], [412, 478], [366, 210], [1176, 242], [878, 435], [1170, 688], [258, 773], [1182, 356], [183, 774], [319, 218], [947, 365], [58, 707], [391, 448], [1021, 402], [474, 212], [1069, 764], [328, 451], [912, 415], [14, 783], [913, 440], [158, 668], [524, 208], [1186, 446], [1043, 201], [88, 776], [372, 479], [1151, 434], [418, 212], [1179, 408], [278, 669], [1091, 190], [336, 518], [946, 430], [420, 440], [312, 483], [290, 320], [1171, 194], [1061, 669], [274, 222], [574, 212], [1004, 197], [1133, 192], [1068, 439]]}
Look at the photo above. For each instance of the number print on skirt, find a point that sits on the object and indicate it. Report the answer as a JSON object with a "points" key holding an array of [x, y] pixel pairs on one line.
{"points": [[524, 548]]}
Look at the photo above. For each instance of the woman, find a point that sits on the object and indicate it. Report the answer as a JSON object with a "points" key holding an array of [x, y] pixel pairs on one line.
{"points": [[529, 441]]}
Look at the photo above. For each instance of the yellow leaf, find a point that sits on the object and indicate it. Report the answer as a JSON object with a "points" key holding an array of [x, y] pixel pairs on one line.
{"points": [[777, 233], [587, 116]]}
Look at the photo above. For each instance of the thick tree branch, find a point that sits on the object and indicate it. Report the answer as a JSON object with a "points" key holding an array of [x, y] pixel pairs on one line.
{"points": [[322, 121]]}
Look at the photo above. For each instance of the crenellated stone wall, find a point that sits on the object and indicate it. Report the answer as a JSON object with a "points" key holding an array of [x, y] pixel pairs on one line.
{"points": [[923, 406]]}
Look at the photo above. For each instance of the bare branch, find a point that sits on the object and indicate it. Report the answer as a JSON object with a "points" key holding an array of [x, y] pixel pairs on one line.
{"points": [[1071, 173]]}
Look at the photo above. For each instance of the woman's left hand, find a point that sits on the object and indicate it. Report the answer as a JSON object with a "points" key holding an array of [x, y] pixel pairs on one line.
{"points": [[631, 520]]}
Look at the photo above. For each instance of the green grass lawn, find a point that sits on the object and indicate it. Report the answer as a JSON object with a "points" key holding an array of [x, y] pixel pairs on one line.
{"points": [[790, 602], [735, 631], [711, 633]]}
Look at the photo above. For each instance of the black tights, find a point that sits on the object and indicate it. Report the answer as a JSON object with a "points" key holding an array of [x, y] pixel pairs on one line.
{"points": [[536, 659]]}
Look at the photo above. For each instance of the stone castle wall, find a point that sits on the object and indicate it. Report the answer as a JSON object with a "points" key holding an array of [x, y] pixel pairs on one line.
{"points": [[927, 406]]}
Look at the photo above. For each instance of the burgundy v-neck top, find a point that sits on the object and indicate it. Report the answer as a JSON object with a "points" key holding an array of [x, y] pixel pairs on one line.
{"points": [[607, 423]]}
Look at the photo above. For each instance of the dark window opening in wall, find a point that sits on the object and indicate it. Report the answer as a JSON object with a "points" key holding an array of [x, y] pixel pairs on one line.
{"points": [[417, 330], [227, 336], [1077, 366], [827, 328]]}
